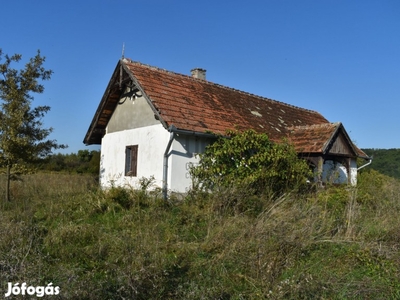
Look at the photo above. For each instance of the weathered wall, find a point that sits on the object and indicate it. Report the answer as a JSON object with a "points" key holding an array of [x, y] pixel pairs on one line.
{"points": [[335, 172], [133, 123], [353, 171], [131, 113], [183, 155], [151, 141]]}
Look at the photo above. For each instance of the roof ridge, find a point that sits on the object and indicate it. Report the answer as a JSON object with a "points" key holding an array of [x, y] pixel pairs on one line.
{"points": [[128, 60], [216, 84], [314, 125]]}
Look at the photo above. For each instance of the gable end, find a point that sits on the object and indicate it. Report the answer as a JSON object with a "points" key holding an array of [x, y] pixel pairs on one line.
{"points": [[340, 144]]}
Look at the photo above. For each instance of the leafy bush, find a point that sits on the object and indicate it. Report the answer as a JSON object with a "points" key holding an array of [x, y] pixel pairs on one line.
{"points": [[250, 159], [121, 196]]}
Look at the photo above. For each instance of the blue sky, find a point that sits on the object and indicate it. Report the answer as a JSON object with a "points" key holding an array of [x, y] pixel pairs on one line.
{"points": [[340, 58]]}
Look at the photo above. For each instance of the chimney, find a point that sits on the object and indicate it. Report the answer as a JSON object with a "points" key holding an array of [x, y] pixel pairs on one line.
{"points": [[198, 73]]}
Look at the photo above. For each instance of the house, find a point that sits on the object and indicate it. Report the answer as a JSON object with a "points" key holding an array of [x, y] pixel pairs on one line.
{"points": [[153, 122]]}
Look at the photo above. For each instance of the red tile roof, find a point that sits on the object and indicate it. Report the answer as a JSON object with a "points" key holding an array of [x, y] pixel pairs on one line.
{"points": [[312, 138], [317, 138], [199, 105]]}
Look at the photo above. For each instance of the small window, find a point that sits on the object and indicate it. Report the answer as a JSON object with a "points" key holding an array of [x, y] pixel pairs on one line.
{"points": [[131, 155]]}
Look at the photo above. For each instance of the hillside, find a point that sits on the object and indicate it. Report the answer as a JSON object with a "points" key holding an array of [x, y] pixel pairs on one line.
{"points": [[337, 243], [385, 161]]}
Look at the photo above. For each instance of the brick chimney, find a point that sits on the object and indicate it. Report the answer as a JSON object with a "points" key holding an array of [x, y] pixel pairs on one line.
{"points": [[198, 73]]}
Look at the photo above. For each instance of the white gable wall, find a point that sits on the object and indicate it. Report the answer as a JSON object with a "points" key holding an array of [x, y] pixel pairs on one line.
{"points": [[133, 123], [151, 141]]}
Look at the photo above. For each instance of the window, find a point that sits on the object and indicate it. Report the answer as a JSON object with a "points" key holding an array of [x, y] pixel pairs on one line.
{"points": [[131, 155]]}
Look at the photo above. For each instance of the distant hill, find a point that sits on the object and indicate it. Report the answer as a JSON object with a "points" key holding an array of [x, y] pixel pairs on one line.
{"points": [[385, 161]]}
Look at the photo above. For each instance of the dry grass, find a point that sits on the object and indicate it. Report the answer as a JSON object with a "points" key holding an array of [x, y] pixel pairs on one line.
{"points": [[337, 243]]}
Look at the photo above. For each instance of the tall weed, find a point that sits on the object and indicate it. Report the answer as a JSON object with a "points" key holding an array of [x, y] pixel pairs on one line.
{"points": [[336, 243]]}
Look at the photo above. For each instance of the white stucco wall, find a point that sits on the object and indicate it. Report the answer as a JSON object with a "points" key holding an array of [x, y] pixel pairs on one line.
{"points": [[151, 141], [183, 155], [133, 123], [353, 172], [335, 172]]}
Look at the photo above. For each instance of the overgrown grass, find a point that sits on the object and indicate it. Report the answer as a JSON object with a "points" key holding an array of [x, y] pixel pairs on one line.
{"points": [[337, 243]]}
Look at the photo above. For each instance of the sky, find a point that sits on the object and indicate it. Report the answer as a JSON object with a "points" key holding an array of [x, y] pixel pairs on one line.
{"points": [[340, 58]]}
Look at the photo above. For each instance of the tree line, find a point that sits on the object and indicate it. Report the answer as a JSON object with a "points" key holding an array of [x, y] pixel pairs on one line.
{"points": [[84, 161], [385, 161]]}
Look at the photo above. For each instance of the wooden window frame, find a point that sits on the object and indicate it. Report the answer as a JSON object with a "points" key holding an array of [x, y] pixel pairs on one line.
{"points": [[131, 160]]}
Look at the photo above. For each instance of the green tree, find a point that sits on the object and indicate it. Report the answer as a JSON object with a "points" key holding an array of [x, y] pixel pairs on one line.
{"points": [[250, 159], [22, 138]]}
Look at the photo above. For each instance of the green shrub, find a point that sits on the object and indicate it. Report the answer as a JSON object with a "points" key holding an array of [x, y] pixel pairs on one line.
{"points": [[249, 159], [120, 195]]}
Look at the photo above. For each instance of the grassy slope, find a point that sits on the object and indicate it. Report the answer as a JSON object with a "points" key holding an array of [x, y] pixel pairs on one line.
{"points": [[336, 244]]}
